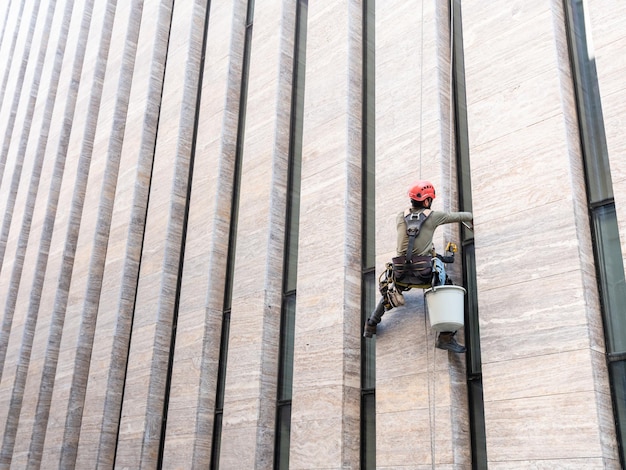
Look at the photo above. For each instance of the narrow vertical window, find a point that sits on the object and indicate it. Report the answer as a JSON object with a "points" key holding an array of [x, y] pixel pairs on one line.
{"points": [[607, 250], [368, 256], [232, 237], [472, 334], [288, 310]]}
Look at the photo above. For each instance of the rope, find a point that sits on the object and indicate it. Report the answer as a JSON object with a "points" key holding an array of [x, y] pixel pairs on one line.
{"points": [[432, 364], [421, 87], [432, 378], [451, 145]]}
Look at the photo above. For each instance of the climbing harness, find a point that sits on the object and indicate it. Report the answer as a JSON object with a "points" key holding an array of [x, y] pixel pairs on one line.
{"points": [[413, 270]]}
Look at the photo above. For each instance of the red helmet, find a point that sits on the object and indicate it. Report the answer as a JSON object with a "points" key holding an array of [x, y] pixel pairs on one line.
{"points": [[422, 190]]}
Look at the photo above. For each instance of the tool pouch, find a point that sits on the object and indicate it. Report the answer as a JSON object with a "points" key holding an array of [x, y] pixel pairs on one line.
{"points": [[394, 296]]}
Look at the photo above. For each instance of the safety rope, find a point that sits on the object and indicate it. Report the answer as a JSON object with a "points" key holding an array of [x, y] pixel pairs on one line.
{"points": [[432, 364], [421, 88], [451, 146], [432, 385]]}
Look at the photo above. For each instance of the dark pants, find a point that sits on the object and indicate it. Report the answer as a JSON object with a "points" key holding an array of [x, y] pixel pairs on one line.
{"points": [[378, 313], [376, 316]]}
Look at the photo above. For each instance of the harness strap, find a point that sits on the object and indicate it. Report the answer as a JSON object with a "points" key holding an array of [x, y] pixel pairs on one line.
{"points": [[414, 223]]}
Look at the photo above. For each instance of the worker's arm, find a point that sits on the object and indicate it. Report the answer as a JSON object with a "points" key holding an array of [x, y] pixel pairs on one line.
{"points": [[441, 218]]}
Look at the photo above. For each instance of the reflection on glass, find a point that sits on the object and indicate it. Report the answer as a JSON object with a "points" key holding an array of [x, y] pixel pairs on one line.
{"points": [[589, 105], [611, 273]]}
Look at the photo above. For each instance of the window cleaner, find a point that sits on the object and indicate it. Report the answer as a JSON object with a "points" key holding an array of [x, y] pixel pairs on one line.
{"points": [[417, 264]]}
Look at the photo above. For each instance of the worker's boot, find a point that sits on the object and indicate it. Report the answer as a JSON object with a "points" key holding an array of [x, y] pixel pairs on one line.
{"points": [[446, 341], [370, 329]]}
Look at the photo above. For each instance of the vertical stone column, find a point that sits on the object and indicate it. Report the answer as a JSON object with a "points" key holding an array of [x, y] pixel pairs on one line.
{"points": [[421, 410], [23, 248], [64, 285], [546, 394], [196, 359], [12, 153], [18, 143], [326, 385], [27, 36], [103, 394], [156, 302], [67, 401], [251, 374], [77, 83]]}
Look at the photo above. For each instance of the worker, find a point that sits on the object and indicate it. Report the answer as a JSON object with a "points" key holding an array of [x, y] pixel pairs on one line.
{"points": [[421, 196]]}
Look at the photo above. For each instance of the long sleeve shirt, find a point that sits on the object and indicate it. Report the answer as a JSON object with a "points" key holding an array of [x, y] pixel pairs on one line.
{"points": [[424, 240]]}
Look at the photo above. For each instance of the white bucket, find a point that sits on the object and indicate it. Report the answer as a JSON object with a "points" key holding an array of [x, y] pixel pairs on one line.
{"points": [[445, 307]]}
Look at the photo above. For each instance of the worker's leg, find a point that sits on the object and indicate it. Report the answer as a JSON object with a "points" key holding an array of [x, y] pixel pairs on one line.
{"points": [[374, 319], [439, 276]]}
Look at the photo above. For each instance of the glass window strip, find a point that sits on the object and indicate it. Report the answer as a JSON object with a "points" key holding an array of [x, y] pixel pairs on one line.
{"points": [[232, 237], [292, 216], [219, 400], [478, 440], [588, 103], [604, 228], [610, 276], [369, 280]]}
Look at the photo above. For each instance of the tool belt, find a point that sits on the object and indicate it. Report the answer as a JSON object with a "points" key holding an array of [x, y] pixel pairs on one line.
{"points": [[417, 271]]}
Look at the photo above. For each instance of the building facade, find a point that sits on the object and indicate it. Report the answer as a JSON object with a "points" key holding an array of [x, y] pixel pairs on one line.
{"points": [[199, 197]]}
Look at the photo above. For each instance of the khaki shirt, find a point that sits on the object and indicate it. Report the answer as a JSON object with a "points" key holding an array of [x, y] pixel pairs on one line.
{"points": [[424, 241]]}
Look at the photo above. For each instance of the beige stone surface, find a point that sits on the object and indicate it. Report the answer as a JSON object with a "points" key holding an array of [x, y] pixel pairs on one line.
{"points": [[330, 188], [18, 277], [554, 331], [118, 277], [144, 390], [33, 416], [73, 370], [94, 313], [417, 423], [251, 375]]}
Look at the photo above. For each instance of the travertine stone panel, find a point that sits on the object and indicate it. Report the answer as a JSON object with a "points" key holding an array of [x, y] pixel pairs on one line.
{"points": [[421, 407], [156, 303], [7, 10], [103, 395], [68, 309], [29, 117], [495, 26], [17, 78], [14, 147], [76, 253], [49, 248], [73, 371], [62, 238], [27, 76], [252, 367], [542, 436], [327, 327], [4, 12], [195, 370], [608, 43], [561, 464], [535, 273], [21, 276], [8, 49]]}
